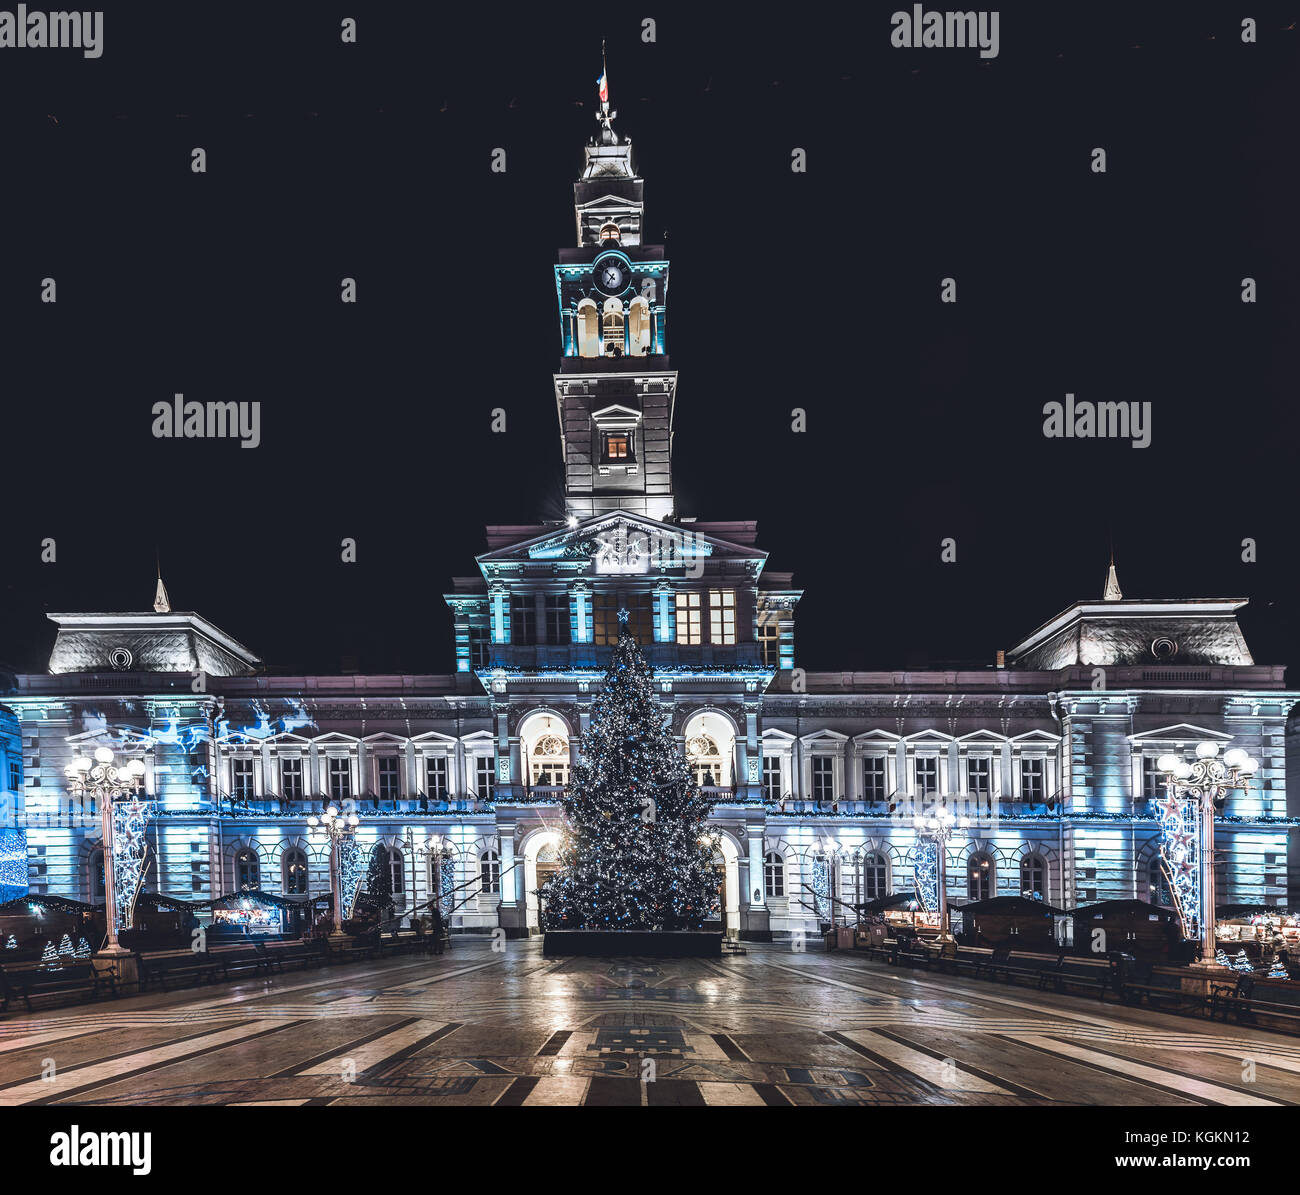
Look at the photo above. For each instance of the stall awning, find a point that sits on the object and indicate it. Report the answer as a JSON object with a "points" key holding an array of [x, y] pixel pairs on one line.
{"points": [[233, 900]]}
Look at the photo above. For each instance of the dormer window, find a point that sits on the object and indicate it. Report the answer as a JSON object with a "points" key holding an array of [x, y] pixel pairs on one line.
{"points": [[616, 447]]}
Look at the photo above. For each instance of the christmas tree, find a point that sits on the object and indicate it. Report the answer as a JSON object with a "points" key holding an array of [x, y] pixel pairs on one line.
{"points": [[83, 950], [1278, 970], [12, 944], [50, 958], [66, 953], [634, 853]]}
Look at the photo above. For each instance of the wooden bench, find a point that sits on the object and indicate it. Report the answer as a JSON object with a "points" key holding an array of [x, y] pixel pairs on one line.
{"points": [[304, 954], [999, 960], [351, 948], [76, 979], [1069, 972], [1232, 997], [178, 965], [1135, 986], [249, 958]]}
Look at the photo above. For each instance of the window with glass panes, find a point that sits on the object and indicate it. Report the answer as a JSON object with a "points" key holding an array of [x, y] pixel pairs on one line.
{"points": [[874, 787], [485, 775], [390, 783], [340, 774], [479, 647], [690, 626], [927, 775], [291, 777], [979, 776], [1033, 877], [523, 619], [1153, 780], [640, 617], [823, 778], [489, 872], [874, 877], [435, 777], [772, 777], [773, 876], [604, 619], [769, 639], [1032, 780], [295, 872], [242, 778], [247, 870], [722, 616], [557, 618]]}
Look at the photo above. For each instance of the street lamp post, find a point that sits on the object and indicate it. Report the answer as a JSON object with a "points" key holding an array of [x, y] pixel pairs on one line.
{"points": [[338, 826], [938, 826], [105, 780], [430, 848], [1206, 780]]}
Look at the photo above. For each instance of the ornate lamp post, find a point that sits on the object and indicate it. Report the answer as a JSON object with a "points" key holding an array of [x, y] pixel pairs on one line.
{"points": [[938, 826], [1195, 788], [431, 848], [106, 781], [338, 826]]}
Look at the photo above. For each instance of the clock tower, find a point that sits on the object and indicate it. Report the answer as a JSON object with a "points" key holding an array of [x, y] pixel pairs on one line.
{"points": [[614, 390]]}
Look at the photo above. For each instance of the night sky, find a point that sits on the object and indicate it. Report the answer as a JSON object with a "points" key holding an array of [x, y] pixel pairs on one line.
{"points": [[816, 290]]}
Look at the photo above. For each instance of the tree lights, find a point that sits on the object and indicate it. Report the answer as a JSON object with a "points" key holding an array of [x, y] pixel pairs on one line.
{"points": [[339, 827], [937, 826]]}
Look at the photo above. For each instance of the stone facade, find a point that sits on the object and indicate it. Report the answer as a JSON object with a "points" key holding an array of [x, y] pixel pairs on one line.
{"points": [[1050, 751]]}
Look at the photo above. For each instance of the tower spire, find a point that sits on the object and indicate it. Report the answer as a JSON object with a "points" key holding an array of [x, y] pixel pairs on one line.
{"points": [[1112, 593], [161, 602]]}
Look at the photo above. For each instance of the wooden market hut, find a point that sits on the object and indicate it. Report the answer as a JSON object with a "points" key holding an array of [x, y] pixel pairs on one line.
{"points": [[1136, 927], [1017, 921]]}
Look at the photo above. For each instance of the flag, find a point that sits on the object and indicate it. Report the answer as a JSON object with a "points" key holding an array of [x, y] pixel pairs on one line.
{"points": [[603, 84]]}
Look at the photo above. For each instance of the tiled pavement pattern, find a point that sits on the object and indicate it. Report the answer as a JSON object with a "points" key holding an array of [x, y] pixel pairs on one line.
{"points": [[770, 1028]]}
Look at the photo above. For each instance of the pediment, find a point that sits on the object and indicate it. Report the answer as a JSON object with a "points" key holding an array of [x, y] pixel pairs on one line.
{"points": [[1181, 732], [622, 542]]}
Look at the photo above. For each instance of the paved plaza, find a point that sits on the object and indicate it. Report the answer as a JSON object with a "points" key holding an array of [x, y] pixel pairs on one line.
{"points": [[774, 1027]]}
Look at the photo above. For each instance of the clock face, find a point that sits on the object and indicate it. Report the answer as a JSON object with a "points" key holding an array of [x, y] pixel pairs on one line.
{"points": [[610, 275]]}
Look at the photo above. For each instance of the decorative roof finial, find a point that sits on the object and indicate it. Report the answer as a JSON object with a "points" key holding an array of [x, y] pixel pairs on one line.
{"points": [[605, 115], [1113, 592], [161, 602]]}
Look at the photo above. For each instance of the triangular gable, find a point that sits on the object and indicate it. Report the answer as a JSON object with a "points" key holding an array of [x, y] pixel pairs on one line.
{"points": [[384, 736], [434, 736], [1181, 732], [983, 736], [929, 736], [336, 736], [884, 736], [825, 736], [614, 532], [1037, 736]]}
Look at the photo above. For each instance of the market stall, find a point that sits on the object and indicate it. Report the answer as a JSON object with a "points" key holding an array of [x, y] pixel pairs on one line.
{"points": [[1263, 932], [29, 923], [256, 914], [1135, 927], [1016, 921]]}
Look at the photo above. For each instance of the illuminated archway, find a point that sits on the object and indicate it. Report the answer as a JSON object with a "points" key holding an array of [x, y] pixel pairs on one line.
{"points": [[544, 750], [539, 850], [710, 749]]}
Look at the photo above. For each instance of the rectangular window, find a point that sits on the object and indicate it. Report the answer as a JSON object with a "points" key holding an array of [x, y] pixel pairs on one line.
{"points": [[769, 639], [485, 775], [927, 775], [340, 772], [873, 778], [722, 615], [1153, 780], [604, 619], [640, 618], [557, 618], [291, 778], [1032, 787], [523, 619], [771, 778], [242, 779], [823, 778], [15, 775], [616, 447], [390, 782], [690, 627], [979, 777], [478, 647], [435, 777]]}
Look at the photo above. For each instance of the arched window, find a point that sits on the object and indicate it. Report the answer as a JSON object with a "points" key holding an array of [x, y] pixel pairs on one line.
{"points": [[1033, 877], [489, 872], [293, 863], [612, 327], [875, 876], [550, 760], [397, 872], [638, 327], [95, 869], [588, 329], [980, 876], [609, 232], [774, 875], [247, 870], [1158, 884], [705, 759]]}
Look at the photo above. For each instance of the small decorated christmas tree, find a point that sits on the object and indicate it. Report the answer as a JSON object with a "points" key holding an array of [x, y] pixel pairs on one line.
{"points": [[66, 953], [50, 958], [12, 944], [1278, 971], [83, 950], [634, 853], [1221, 958], [1241, 962]]}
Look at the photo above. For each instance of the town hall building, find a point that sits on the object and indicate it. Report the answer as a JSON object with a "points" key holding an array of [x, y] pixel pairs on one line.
{"points": [[815, 776]]}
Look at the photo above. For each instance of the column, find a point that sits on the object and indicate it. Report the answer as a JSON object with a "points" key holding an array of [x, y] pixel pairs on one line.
{"points": [[509, 879], [757, 892]]}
